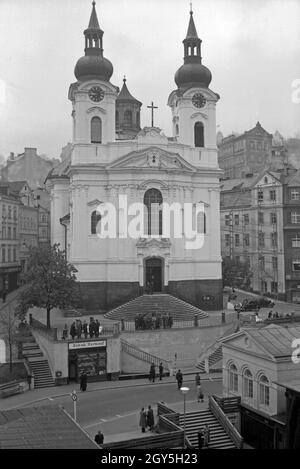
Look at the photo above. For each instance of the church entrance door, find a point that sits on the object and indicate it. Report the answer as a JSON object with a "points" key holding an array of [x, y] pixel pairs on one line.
{"points": [[154, 277]]}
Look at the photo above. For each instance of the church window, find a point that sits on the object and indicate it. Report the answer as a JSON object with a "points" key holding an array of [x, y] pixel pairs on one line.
{"points": [[177, 129], [153, 212], [117, 119], [95, 219], [201, 223], [128, 118], [96, 130], [199, 134]]}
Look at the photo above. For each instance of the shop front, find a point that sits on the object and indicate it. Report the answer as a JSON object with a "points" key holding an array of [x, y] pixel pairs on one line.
{"points": [[89, 357]]}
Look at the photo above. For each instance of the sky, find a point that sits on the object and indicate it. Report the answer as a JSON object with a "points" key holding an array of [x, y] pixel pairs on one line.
{"points": [[251, 47]]}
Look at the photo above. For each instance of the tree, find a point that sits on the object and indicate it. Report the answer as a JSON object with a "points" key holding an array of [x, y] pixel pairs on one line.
{"points": [[9, 330], [50, 281], [236, 273]]}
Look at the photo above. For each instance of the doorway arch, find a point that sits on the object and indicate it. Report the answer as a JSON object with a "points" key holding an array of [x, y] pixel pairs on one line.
{"points": [[154, 274]]}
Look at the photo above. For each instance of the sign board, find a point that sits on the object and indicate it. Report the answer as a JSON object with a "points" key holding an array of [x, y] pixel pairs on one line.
{"points": [[89, 344], [74, 396]]}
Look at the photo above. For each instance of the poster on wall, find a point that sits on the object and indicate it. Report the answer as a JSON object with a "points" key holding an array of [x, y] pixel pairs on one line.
{"points": [[93, 362]]}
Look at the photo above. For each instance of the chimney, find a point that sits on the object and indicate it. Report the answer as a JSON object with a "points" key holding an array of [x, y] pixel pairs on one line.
{"points": [[30, 151]]}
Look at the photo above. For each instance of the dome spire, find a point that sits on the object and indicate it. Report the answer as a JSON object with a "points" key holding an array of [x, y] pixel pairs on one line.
{"points": [[94, 23], [93, 64], [192, 31], [192, 72]]}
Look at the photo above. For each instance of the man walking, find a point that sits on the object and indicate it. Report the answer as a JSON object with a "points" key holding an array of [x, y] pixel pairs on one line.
{"points": [[152, 373], [83, 381], [143, 420], [161, 371], [99, 438], [179, 378], [150, 418]]}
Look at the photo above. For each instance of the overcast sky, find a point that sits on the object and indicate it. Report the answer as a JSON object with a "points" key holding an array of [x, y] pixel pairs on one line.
{"points": [[251, 47]]}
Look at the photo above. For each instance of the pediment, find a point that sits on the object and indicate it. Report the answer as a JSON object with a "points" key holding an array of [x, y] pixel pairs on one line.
{"points": [[94, 202], [245, 343], [152, 158]]}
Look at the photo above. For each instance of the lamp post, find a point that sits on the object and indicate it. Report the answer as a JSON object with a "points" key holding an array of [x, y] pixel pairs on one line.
{"points": [[184, 391]]}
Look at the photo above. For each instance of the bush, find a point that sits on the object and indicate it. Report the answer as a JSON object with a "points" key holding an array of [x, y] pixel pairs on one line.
{"points": [[18, 372]]}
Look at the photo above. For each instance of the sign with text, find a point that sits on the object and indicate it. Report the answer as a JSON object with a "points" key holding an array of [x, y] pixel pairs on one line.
{"points": [[93, 344]]}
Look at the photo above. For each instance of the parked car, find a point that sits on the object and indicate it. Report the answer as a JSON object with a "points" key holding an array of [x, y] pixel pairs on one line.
{"points": [[265, 302], [250, 305]]}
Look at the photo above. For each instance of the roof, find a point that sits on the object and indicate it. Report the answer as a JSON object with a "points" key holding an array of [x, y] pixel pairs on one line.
{"points": [[45, 427], [293, 179], [124, 94], [293, 384], [274, 339], [17, 186], [60, 171], [191, 32]]}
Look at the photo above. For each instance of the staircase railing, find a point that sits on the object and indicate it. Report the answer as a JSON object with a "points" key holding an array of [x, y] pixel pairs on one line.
{"points": [[142, 355], [225, 422]]}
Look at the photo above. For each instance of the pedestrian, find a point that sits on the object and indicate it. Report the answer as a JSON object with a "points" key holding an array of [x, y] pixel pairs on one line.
{"points": [[143, 420], [83, 381], [73, 330], [152, 373], [197, 380], [200, 395], [161, 371], [99, 438], [85, 329], [65, 332], [200, 439], [179, 378], [79, 329], [29, 378], [4, 293], [91, 328], [150, 418], [97, 325], [206, 435]]}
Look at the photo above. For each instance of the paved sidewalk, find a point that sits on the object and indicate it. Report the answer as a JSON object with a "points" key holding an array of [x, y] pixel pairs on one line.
{"points": [[29, 398]]}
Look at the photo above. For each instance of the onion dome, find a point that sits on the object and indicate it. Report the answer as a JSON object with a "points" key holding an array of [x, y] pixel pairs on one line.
{"points": [[93, 64], [192, 72]]}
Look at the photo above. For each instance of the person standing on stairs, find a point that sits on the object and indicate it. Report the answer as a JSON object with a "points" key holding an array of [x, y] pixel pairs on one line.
{"points": [[206, 435], [197, 380]]}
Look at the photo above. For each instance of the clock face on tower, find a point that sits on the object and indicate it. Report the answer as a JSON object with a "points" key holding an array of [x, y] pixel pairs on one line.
{"points": [[198, 100], [96, 94]]}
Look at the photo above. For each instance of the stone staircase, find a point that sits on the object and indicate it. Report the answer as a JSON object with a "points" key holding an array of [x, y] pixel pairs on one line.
{"points": [[154, 304], [213, 359], [37, 362], [196, 421]]}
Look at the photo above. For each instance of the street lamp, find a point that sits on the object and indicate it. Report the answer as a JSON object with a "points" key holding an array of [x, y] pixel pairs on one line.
{"points": [[184, 391]]}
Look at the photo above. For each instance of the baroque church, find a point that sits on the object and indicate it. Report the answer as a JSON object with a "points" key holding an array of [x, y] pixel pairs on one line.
{"points": [[113, 156]]}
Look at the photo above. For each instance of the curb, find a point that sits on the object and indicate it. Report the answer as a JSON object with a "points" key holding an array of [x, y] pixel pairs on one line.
{"points": [[55, 396]]}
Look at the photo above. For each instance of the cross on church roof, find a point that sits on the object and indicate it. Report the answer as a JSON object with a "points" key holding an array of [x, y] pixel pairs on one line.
{"points": [[152, 107]]}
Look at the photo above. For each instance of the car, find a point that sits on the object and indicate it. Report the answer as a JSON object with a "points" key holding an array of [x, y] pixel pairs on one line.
{"points": [[250, 305], [265, 302]]}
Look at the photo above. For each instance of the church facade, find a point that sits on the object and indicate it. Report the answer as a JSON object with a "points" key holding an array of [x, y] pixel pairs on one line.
{"points": [[116, 163]]}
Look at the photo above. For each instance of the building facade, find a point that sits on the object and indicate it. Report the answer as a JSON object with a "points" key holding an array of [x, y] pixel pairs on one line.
{"points": [[255, 360], [252, 229], [249, 153], [149, 169]]}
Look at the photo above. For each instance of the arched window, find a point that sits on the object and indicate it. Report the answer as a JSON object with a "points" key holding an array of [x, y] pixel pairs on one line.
{"points": [[128, 118], [96, 130], [138, 119], [233, 378], [248, 384], [117, 119], [201, 223], [177, 129], [95, 219], [153, 212], [264, 390], [199, 134]]}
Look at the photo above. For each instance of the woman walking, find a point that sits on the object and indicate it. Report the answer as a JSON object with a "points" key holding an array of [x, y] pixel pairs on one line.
{"points": [[143, 420]]}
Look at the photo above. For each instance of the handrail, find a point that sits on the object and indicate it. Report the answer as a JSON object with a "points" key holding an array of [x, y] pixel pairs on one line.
{"points": [[46, 332], [165, 418], [225, 422], [142, 355]]}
